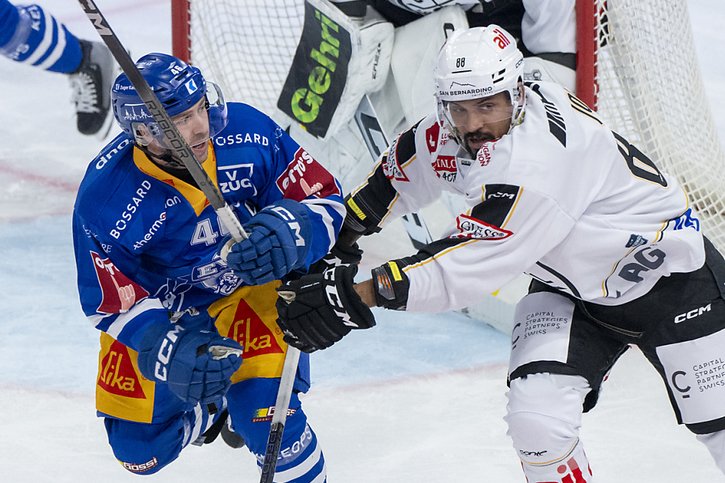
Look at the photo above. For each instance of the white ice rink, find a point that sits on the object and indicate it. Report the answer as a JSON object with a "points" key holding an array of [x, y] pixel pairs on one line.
{"points": [[417, 399]]}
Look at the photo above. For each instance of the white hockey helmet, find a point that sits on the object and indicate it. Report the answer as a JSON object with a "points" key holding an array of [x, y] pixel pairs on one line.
{"points": [[479, 62]]}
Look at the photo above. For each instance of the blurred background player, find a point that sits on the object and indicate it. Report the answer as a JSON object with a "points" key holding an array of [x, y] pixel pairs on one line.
{"points": [[153, 276], [617, 254], [31, 36], [545, 30]]}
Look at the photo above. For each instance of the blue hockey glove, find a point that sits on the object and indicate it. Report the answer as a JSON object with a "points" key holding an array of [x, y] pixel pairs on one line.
{"points": [[196, 364], [279, 237]]}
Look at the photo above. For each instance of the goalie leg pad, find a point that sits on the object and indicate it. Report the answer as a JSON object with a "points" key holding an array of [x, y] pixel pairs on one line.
{"points": [[337, 62], [414, 55], [544, 417], [538, 69]]}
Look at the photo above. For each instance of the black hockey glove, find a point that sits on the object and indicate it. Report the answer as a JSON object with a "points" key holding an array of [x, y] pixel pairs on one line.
{"points": [[339, 255], [319, 309]]}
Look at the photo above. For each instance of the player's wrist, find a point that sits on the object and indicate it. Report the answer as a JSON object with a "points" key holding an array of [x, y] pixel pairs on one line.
{"points": [[390, 286], [366, 291]]}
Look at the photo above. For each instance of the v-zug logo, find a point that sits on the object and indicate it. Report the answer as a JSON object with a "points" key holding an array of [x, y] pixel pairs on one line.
{"points": [[236, 177], [191, 86]]}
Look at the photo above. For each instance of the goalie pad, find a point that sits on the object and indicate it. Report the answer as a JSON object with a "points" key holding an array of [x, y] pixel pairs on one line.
{"points": [[337, 62], [537, 69], [415, 51]]}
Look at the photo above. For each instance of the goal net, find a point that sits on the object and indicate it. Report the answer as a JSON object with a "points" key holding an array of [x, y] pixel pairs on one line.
{"points": [[636, 65]]}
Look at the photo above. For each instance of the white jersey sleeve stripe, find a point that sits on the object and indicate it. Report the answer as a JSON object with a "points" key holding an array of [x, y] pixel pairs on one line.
{"points": [[326, 218], [44, 44], [123, 319], [57, 50]]}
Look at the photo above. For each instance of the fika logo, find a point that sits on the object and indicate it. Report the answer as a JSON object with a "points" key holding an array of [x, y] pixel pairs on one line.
{"points": [[117, 374], [252, 333]]}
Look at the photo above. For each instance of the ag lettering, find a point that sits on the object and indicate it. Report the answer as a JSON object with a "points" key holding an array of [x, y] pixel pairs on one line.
{"points": [[645, 260]]}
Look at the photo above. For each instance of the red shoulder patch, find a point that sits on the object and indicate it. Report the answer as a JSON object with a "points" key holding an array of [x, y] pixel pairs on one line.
{"points": [[118, 292], [305, 177], [431, 137]]}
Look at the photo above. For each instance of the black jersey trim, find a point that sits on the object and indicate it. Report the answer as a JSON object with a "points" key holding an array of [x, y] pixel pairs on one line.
{"points": [[499, 202]]}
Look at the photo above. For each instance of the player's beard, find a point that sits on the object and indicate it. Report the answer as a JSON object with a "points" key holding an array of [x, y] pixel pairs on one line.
{"points": [[475, 140]]}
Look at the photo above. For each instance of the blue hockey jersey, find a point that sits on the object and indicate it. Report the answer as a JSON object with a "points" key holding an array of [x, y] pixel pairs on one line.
{"points": [[147, 242]]}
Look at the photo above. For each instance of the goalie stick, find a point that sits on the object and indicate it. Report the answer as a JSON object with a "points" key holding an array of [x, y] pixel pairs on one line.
{"points": [[224, 211], [377, 142]]}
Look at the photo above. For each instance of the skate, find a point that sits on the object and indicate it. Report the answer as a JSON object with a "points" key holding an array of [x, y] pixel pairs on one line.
{"points": [[91, 86]]}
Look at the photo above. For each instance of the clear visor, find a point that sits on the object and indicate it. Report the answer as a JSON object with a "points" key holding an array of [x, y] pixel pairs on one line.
{"points": [[214, 98], [478, 114]]}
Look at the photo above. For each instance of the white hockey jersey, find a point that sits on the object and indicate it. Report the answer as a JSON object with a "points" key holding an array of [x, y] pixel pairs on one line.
{"points": [[561, 197]]}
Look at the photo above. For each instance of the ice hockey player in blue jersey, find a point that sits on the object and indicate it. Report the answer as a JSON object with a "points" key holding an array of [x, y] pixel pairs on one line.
{"points": [[175, 314], [31, 36]]}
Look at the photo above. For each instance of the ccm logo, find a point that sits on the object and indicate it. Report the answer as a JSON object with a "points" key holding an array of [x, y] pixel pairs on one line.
{"points": [[164, 356], [692, 314]]}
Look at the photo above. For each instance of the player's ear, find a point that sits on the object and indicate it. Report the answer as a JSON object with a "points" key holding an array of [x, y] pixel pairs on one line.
{"points": [[141, 134]]}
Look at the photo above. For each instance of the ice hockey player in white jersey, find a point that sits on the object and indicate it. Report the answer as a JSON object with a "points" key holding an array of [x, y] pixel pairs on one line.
{"points": [[616, 253]]}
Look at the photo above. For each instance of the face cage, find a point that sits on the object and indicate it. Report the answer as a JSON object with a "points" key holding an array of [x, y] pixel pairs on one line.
{"points": [[216, 108], [517, 113]]}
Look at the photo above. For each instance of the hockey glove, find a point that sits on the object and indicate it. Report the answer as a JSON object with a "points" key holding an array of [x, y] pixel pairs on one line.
{"points": [[195, 364], [339, 255], [279, 237], [319, 309]]}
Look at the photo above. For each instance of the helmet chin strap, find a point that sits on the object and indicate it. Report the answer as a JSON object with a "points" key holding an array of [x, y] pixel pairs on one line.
{"points": [[167, 157]]}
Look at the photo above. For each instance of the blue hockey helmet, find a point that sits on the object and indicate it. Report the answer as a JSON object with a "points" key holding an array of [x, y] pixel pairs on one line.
{"points": [[178, 86]]}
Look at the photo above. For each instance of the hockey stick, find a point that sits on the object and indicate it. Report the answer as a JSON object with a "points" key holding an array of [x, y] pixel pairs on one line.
{"points": [[281, 406], [211, 191], [377, 142]]}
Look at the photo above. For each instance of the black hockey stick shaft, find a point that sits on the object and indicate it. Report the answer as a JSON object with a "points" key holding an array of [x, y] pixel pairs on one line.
{"points": [[377, 142], [176, 141]]}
